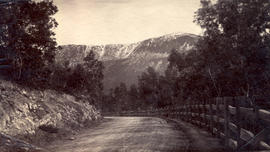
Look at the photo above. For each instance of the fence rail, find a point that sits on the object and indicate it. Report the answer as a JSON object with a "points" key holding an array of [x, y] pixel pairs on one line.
{"points": [[241, 123], [5, 64]]}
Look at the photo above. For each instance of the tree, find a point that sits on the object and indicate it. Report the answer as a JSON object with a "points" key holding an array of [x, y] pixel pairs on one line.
{"points": [[235, 48], [134, 97], [86, 78], [176, 61], [148, 86], [76, 81], [165, 92], [26, 35], [133, 93], [121, 97], [60, 76], [93, 73]]}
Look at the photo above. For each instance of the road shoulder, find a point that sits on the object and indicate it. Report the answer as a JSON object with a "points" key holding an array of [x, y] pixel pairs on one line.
{"points": [[200, 140]]}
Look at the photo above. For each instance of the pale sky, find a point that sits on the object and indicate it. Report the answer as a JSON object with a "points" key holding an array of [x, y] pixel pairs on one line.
{"points": [[122, 21]]}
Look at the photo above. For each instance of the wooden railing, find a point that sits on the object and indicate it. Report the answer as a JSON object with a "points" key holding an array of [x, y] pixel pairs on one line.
{"points": [[4, 63], [241, 123]]}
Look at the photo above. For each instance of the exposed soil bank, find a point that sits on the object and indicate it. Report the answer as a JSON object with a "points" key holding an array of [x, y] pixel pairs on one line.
{"points": [[39, 116]]}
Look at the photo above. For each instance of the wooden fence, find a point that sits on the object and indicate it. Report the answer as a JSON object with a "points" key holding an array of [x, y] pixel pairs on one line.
{"points": [[242, 123]]}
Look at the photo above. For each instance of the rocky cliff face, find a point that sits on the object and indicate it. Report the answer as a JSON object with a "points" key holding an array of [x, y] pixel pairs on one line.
{"points": [[39, 115], [124, 63]]}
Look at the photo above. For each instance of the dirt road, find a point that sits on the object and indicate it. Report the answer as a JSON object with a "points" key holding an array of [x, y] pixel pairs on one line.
{"points": [[127, 134], [140, 134]]}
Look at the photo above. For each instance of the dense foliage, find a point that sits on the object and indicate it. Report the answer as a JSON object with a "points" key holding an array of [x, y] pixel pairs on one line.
{"points": [[26, 36], [235, 48], [83, 79], [120, 99]]}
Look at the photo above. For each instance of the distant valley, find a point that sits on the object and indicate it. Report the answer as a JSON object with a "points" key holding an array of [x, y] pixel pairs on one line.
{"points": [[125, 62]]}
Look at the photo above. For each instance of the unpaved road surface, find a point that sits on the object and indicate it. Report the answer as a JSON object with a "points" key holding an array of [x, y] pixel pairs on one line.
{"points": [[127, 134], [137, 134]]}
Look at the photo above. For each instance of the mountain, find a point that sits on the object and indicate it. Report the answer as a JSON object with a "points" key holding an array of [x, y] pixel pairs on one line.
{"points": [[125, 62]]}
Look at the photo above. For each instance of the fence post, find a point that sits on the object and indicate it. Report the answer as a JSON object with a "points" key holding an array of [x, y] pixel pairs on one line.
{"points": [[192, 112], [238, 123], [226, 123], [187, 117], [182, 112], [218, 117], [185, 112], [256, 110], [211, 117], [198, 113], [257, 120], [189, 111], [204, 111]]}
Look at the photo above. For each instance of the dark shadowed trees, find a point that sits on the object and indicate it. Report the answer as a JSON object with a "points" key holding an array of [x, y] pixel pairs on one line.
{"points": [[120, 94], [93, 73], [86, 78], [235, 47], [148, 86], [134, 97], [27, 36]]}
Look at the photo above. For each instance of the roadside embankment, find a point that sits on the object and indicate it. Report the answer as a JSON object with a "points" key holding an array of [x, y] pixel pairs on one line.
{"points": [[39, 116]]}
